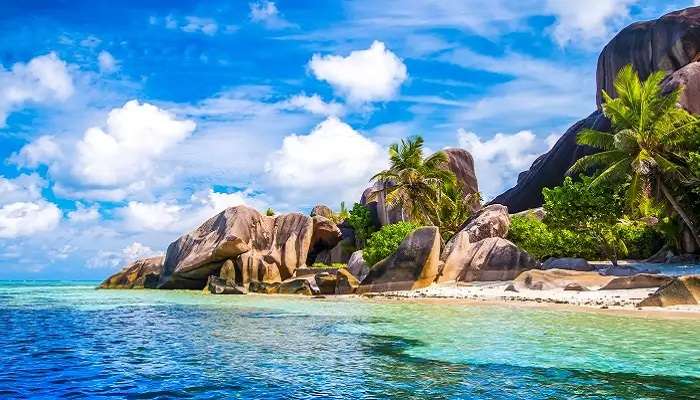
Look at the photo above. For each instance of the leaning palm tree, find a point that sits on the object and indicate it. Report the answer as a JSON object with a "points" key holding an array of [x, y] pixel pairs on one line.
{"points": [[454, 207], [413, 182], [648, 140]]}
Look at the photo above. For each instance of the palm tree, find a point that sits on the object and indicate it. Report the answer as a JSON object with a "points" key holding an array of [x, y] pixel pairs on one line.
{"points": [[413, 182], [454, 208], [649, 137]]}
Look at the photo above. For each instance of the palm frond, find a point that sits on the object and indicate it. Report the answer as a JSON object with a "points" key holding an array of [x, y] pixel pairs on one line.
{"points": [[583, 164], [597, 139]]}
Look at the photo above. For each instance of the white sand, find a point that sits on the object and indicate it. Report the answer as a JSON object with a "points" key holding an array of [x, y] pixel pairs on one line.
{"points": [[495, 292]]}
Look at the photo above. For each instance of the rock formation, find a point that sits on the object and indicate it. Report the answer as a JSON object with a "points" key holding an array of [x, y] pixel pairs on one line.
{"points": [[357, 265], [413, 266], [570, 263], [491, 259], [262, 248], [559, 279], [670, 43], [346, 283], [637, 281], [682, 290], [144, 273]]}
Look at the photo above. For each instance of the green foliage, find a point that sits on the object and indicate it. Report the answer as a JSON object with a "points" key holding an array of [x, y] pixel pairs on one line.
{"points": [[342, 215], [386, 241], [320, 265], [454, 208], [649, 144], [641, 240], [542, 242], [360, 219], [592, 211], [270, 212], [413, 181]]}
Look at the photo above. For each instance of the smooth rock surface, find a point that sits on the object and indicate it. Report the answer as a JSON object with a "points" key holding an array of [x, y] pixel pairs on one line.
{"points": [[682, 290], [357, 265], [491, 221], [140, 274], [574, 264], [638, 281], [218, 285], [559, 279], [461, 163], [346, 283], [300, 286], [322, 210], [325, 282], [413, 266], [274, 248], [491, 259]]}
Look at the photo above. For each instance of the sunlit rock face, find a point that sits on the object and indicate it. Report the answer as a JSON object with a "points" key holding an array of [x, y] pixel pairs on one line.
{"points": [[140, 274], [670, 43], [263, 248]]}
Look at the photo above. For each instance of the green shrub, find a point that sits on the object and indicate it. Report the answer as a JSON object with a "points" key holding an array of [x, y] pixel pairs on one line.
{"points": [[641, 240], [320, 265], [386, 241], [542, 242], [360, 218]]}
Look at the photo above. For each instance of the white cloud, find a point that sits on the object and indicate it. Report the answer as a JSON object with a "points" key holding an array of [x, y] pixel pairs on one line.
{"points": [[28, 218], [22, 188], [84, 214], [136, 251], [107, 62], [44, 79], [498, 160], [587, 23], [198, 24], [124, 151], [365, 75], [333, 161], [266, 12], [42, 150], [171, 216], [313, 104], [113, 259]]}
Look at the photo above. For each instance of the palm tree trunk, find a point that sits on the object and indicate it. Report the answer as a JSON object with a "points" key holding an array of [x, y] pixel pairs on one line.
{"points": [[684, 216]]}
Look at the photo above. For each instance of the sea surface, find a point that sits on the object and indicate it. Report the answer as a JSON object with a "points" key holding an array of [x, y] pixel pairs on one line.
{"points": [[68, 340]]}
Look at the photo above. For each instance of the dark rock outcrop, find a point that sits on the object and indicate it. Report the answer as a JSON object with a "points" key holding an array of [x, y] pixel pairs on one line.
{"points": [[413, 266], [326, 235], [665, 44], [140, 274], [574, 264], [680, 291], [549, 169], [491, 259]]}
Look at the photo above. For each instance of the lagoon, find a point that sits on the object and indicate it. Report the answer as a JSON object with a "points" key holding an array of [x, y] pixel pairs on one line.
{"points": [[66, 339]]}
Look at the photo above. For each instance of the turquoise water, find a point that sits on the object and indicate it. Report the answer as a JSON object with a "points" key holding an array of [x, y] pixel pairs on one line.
{"points": [[65, 339]]}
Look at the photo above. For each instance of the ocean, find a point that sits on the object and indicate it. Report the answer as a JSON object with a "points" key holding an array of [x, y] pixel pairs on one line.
{"points": [[68, 340]]}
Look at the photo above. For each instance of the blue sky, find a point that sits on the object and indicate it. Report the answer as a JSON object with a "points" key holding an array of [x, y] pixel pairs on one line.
{"points": [[126, 124]]}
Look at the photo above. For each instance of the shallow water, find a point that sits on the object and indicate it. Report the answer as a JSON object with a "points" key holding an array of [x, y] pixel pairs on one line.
{"points": [[67, 339]]}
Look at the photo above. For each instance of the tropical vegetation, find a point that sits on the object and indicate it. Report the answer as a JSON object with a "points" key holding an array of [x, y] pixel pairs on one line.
{"points": [[386, 241]]}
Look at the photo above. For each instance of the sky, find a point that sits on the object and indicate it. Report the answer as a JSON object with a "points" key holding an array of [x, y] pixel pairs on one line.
{"points": [[124, 125]]}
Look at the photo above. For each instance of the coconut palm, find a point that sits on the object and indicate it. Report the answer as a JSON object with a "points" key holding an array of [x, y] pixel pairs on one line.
{"points": [[413, 182], [454, 208], [648, 140]]}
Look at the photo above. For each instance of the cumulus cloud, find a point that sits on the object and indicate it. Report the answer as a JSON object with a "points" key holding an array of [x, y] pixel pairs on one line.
{"points": [[313, 104], [498, 160], [373, 74], [107, 62], [83, 214], [587, 23], [124, 150], [333, 161], [44, 79], [198, 24], [171, 216], [266, 13], [23, 210], [42, 150], [127, 255]]}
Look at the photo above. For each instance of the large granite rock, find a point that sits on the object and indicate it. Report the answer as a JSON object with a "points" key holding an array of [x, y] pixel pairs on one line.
{"points": [[346, 283], [688, 78], [357, 265], [682, 290], [491, 221], [574, 264], [638, 281], [300, 286], [374, 198], [413, 266], [264, 248], [322, 210], [325, 281], [217, 285], [326, 235], [549, 169], [669, 43], [461, 163], [491, 259], [559, 279], [666, 44], [144, 273]]}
